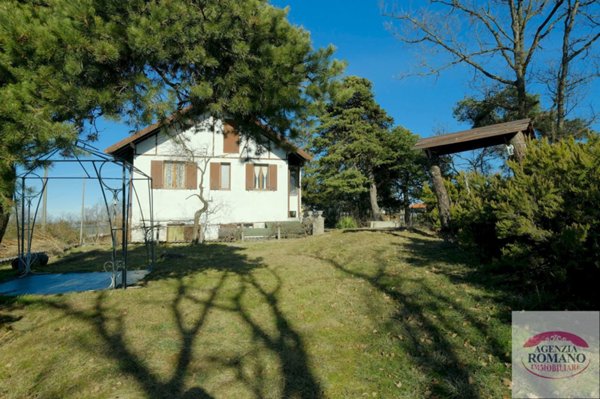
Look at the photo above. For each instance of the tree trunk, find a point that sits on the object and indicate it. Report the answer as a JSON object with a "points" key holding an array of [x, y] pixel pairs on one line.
{"points": [[373, 198], [442, 196], [521, 97], [563, 70], [406, 203], [560, 101], [198, 237], [519, 146], [518, 30], [407, 216], [7, 189], [4, 216]]}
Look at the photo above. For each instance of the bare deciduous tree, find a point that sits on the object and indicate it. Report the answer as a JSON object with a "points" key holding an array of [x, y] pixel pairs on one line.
{"points": [[576, 45], [200, 158], [498, 39]]}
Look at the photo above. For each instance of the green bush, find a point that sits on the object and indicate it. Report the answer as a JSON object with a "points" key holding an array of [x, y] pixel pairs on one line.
{"points": [[346, 222], [473, 219], [548, 213], [543, 222]]}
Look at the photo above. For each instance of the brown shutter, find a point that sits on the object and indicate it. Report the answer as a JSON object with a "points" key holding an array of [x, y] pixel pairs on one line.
{"points": [[191, 176], [156, 172], [249, 176], [231, 138], [215, 176], [273, 177]]}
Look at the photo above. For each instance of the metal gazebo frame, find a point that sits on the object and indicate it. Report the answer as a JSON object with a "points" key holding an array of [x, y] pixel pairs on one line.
{"points": [[92, 161]]}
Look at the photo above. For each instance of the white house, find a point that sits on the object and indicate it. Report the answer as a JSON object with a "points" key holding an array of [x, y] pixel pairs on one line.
{"points": [[245, 182]]}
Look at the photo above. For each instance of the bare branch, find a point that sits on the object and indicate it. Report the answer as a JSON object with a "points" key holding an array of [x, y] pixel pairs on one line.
{"points": [[429, 35], [489, 22], [543, 29], [585, 47]]}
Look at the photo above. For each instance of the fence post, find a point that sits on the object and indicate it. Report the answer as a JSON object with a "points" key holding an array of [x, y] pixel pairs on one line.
{"points": [[318, 223]]}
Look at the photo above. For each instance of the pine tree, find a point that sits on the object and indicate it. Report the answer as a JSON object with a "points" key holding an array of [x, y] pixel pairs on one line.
{"points": [[64, 63], [61, 65], [401, 181], [357, 152], [547, 212]]}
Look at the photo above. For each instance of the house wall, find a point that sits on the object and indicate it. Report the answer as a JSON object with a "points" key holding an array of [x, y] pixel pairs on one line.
{"points": [[236, 205]]}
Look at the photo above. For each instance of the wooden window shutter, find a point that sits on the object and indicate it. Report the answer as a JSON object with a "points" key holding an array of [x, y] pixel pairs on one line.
{"points": [[191, 176], [273, 177], [231, 139], [215, 176], [249, 176], [156, 173]]}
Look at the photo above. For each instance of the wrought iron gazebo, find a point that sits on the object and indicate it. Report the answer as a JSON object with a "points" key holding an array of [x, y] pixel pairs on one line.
{"points": [[115, 177]]}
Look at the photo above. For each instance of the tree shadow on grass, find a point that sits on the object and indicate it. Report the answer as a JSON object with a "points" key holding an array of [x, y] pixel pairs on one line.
{"points": [[513, 287], [421, 316], [238, 278], [6, 272], [462, 267], [94, 260], [508, 289], [8, 304], [424, 338]]}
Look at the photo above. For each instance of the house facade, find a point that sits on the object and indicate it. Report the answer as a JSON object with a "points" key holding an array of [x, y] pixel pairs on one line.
{"points": [[245, 182]]}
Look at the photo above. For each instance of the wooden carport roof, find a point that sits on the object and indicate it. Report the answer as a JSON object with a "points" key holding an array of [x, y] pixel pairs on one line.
{"points": [[472, 139]]}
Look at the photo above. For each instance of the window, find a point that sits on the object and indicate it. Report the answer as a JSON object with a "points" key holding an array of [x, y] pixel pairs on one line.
{"points": [[261, 177], [225, 176], [174, 174], [294, 180], [220, 176]]}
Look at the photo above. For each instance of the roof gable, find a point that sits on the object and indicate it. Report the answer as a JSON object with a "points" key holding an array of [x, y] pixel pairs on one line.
{"points": [[122, 148]]}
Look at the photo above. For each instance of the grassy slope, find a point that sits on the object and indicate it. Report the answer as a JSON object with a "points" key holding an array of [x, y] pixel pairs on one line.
{"points": [[356, 314]]}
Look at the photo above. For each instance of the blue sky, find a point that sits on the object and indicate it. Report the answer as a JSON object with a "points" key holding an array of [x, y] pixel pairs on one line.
{"points": [[357, 29]]}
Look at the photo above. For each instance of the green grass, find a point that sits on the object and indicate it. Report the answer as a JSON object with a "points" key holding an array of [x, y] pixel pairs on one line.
{"points": [[344, 315]]}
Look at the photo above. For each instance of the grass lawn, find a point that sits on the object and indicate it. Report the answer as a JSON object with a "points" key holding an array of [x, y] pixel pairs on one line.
{"points": [[344, 315]]}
